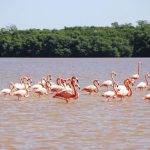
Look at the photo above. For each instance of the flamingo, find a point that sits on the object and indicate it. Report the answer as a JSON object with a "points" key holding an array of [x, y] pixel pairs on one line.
{"points": [[147, 97], [137, 76], [148, 88], [108, 83], [21, 85], [112, 94], [143, 85], [57, 87], [44, 79], [123, 87], [17, 86], [119, 87], [126, 92], [40, 84], [68, 95], [36, 86], [67, 86], [109, 94], [27, 79], [6, 91], [21, 93], [92, 88], [41, 91]]}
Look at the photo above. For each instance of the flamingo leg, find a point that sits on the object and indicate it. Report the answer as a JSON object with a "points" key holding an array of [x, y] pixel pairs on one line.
{"points": [[66, 101], [121, 99], [108, 100]]}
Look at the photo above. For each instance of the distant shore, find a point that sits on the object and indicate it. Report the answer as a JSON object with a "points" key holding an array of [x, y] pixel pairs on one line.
{"points": [[84, 42]]}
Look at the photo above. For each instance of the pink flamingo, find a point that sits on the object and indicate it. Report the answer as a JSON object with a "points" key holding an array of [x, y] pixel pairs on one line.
{"points": [[27, 79], [44, 79], [123, 87], [68, 95], [108, 83], [40, 84], [109, 94], [147, 97], [92, 88], [21, 86], [126, 92], [21, 93], [57, 87], [143, 85], [6, 91], [41, 91], [137, 76]]}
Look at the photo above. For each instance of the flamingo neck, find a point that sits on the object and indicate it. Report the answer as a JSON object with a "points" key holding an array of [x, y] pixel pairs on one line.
{"points": [[68, 84], [94, 82], [48, 85], [75, 95], [138, 68], [42, 82], [48, 77], [146, 79], [126, 83], [112, 77], [27, 94], [27, 91], [114, 89], [58, 81], [21, 81]]}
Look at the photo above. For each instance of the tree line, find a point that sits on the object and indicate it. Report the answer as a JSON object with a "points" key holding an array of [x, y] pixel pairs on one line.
{"points": [[123, 40]]}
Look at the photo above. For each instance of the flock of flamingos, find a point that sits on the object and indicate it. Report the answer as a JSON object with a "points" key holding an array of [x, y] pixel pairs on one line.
{"points": [[67, 89]]}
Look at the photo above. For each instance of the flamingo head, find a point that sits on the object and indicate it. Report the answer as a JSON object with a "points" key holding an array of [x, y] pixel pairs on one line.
{"points": [[114, 73], [74, 78], [131, 80], [148, 75], [77, 85], [115, 84], [97, 81], [43, 80], [49, 77], [11, 85], [29, 80]]}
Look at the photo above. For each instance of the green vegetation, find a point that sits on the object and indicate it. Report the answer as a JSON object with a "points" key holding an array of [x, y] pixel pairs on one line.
{"points": [[115, 41]]}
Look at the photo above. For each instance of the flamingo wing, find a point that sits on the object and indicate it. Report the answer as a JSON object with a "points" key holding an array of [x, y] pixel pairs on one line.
{"points": [[107, 83], [63, 94], [141, 85], [147, 97], [89, 88]]}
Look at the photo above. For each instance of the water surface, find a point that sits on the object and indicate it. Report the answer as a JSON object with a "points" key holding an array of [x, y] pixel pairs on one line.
{"points": [[87, 123]]}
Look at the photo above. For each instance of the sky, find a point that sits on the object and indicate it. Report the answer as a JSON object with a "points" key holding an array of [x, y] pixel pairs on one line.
{"points": [[57, 14]]}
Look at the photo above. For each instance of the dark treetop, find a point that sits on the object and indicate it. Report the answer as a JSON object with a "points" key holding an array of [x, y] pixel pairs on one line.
{"points": [[115, 41]]}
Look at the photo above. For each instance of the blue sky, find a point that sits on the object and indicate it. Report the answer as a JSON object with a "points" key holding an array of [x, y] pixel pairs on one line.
{"points": [[59, 13]]}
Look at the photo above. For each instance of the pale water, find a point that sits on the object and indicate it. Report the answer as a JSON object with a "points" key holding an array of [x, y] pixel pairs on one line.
{"points": [[89, 122]]}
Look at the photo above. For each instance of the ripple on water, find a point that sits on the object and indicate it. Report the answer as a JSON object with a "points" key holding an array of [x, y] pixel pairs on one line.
{"points": [[87, 123]]}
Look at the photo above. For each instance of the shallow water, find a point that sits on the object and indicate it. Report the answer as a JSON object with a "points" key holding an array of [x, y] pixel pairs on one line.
{"points": [[89, 122]]}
